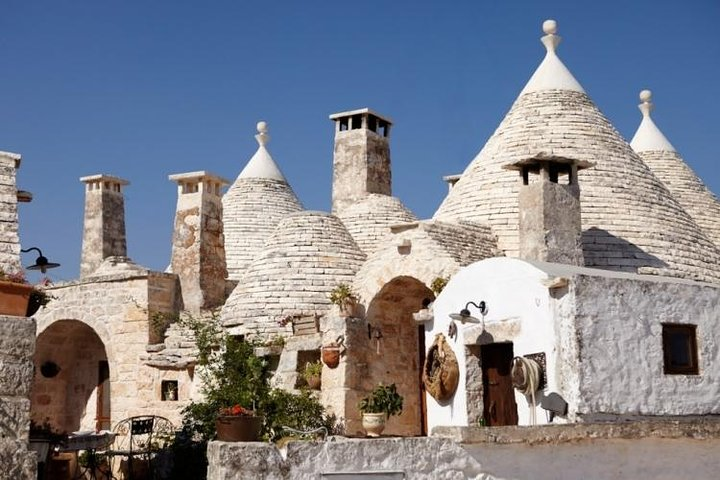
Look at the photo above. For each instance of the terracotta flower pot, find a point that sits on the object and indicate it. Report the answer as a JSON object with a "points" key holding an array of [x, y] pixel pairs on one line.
{"points": [[14, 298], [240, 428], [373, 423], [331, 355]]}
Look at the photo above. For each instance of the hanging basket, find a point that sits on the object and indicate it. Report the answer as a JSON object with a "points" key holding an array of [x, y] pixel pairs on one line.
{"points": [[14, 298], [441, 372]]}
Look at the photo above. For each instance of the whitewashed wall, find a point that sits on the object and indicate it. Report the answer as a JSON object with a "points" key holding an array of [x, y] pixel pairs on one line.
{"points": [[619, 319], [602, 337], [520, 309]]}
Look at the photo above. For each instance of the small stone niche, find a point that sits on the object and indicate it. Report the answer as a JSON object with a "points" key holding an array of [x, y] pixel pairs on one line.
{"points": [[169, 390], [303, 358]]}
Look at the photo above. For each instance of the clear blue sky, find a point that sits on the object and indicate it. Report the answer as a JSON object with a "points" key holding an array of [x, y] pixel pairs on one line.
{"points": [[144, 89]]}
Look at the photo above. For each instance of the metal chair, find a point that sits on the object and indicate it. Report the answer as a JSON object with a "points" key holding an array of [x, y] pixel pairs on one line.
{"points": [[140, 441]]}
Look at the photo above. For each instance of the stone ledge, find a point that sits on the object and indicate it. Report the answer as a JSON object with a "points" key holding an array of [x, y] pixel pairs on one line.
{"points": [[699, 428]]}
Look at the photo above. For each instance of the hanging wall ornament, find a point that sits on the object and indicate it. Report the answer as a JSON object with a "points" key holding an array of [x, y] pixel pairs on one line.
{"points": [[441, 371]]}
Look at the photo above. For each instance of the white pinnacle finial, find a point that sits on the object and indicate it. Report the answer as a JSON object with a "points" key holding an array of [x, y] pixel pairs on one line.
{"points": [[648, 136], [262, 137], [551, 39], [646, 106], [550, 27], [552, 74]]}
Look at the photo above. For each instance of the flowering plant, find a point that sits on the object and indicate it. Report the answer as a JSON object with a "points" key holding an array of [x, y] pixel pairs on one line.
{"points": [[38, 296], [236, 411], [17, 277]]}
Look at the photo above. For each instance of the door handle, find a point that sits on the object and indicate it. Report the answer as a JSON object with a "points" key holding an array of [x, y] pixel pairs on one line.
{"points": [[494, 384]]}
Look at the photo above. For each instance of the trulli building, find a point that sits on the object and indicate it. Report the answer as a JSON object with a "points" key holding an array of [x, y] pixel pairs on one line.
{"points": [[592, 256]]}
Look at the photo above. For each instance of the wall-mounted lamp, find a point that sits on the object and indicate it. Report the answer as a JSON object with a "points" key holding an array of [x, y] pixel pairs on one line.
{"points": [[41, 263], [464, 315]]}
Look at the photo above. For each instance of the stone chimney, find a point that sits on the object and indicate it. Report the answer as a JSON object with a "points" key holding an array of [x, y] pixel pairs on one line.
{"points": [[549, 205], [198, 251], [9, 240], [361, 160], [104, 223]]}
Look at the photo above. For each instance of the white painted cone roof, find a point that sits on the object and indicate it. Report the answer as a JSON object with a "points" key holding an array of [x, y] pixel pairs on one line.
{"points": [[631, 222]]}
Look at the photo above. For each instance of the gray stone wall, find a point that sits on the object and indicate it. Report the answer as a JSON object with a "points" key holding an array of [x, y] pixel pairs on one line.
{"points": [[104, 221], [9, 240], [17, 344], [361, 165]]}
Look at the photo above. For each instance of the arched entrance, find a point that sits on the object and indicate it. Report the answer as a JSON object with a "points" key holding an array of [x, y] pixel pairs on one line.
{"points": [[71, 387], [399, 358]]}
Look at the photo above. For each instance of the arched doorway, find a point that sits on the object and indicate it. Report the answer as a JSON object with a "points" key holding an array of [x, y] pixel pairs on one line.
{"points": [[71, 387], [398, 356]]}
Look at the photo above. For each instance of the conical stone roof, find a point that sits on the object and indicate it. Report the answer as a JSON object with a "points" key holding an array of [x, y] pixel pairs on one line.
{"points": [[369, 219], [253, 206], [630, 220], [667, 164], [308, 255]]}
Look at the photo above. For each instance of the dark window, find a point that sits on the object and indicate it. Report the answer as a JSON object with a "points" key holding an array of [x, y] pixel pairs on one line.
{"points": [[680, 349], [372, 123], [356, 122]]}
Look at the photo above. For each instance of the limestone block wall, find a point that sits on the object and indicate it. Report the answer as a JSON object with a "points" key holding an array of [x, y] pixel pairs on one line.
{"points": [[119, 309], [9, 240], [410, 458], [17, 343]]}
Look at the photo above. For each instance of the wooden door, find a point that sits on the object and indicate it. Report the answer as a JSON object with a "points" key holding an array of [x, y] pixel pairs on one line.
{"points": [[421, 360], [499, 407]]}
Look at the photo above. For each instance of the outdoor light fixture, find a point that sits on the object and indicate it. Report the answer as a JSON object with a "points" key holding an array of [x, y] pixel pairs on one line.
{"points": [[41, 263], [464, 315]]}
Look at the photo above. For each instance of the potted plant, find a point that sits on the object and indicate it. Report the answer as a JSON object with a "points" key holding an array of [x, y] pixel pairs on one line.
{"points": [[344, 297], [238, 424], [14, 294], [382, 403], [312, 374]]}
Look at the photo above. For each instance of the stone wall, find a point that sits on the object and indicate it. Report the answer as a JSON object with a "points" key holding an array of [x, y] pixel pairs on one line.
{"points": [[9, 240], [119, 305], [649, 450], [17, 343], [415, 458]]}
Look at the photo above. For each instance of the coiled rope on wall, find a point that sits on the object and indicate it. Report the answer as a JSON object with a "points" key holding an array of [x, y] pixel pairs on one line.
{"points": [[526, 374]]}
